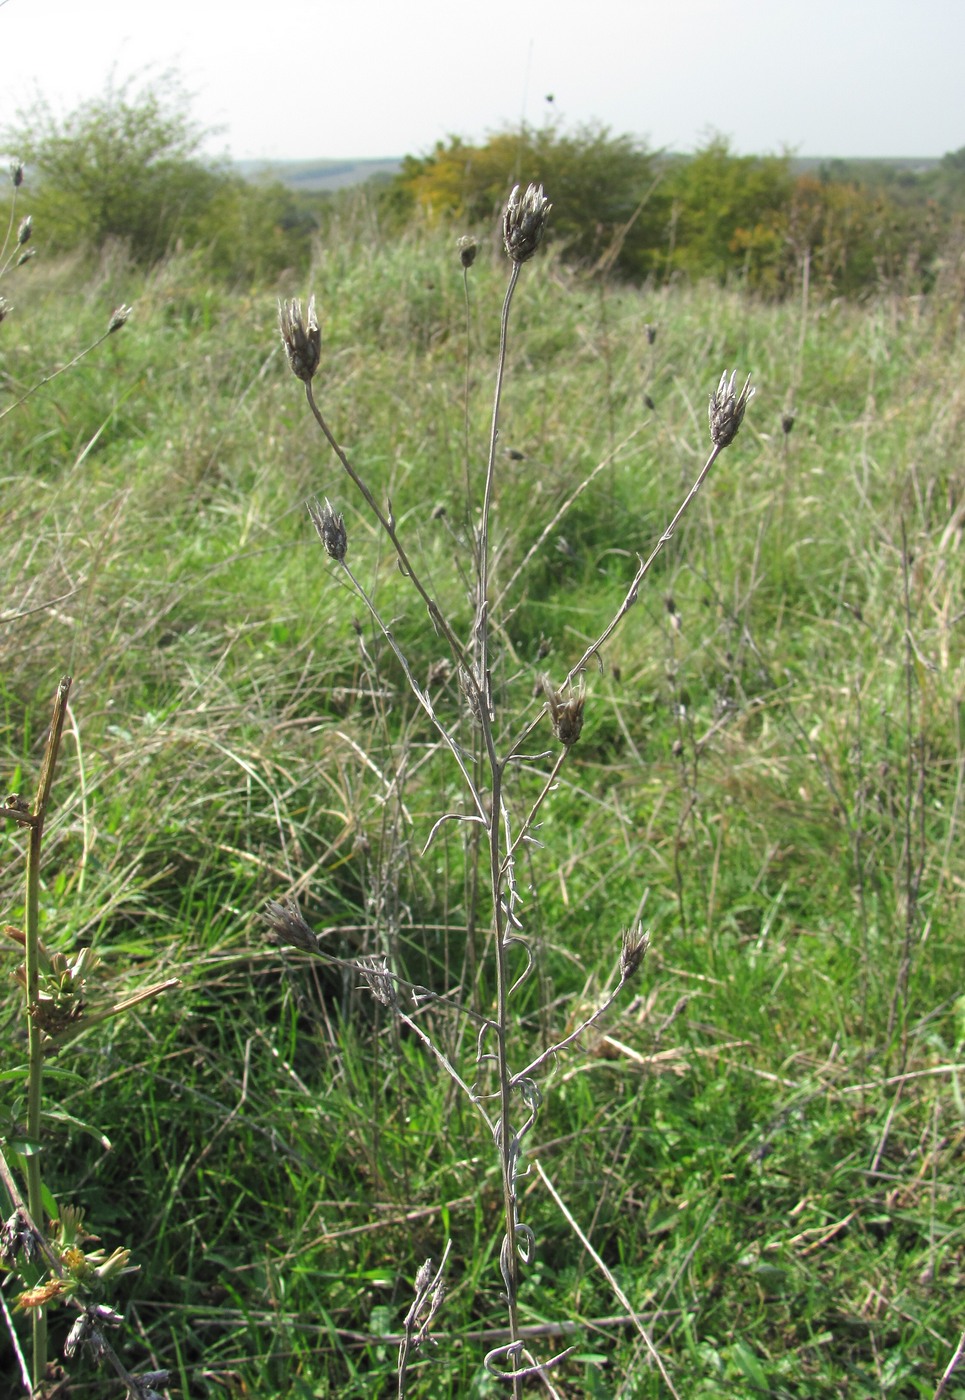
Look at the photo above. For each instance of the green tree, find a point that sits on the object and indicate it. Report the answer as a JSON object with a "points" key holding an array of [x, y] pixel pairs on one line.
{"points": [[605, 189], [125, 165], [726, 212]]}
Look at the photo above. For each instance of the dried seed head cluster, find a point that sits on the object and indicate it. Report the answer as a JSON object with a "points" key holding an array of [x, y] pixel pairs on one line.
{"points": [[118, 318], [86, 1331], [566, 712], [25, 230], [635, 943], [302, 338], [726, 411], [287, 925], [16, 174], [16, 1237], [330, 528], [524, 222], [378, 979], [467, 250]]}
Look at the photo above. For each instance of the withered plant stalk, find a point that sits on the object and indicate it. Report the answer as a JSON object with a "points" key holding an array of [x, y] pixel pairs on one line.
{"points": [[510, 1101]]}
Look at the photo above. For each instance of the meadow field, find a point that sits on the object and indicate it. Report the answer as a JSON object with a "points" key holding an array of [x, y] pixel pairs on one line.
{"points": [[755, 1157]]}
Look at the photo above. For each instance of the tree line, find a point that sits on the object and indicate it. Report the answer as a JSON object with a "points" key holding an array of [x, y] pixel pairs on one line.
{"points": [[128, 167]]}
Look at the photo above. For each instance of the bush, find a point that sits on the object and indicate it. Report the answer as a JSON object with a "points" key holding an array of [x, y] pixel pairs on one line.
{"points": [[607, 204], [124, 166], [127, 166]]}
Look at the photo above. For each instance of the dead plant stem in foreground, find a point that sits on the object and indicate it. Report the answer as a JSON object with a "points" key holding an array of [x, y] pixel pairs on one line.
{"points": [[509, 1101]]}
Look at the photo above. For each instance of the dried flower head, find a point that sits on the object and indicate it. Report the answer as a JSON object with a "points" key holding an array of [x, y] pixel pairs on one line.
{"points": [[302, 338], [26, 255], [287, 925], [330, 528], [5, 308], [80, 1333], [25, 230], [635, 943], [467, 250], [726, 411], [118, 318], [787, 423], [524, 222], [379, 981], [16, 1236], [566, 712], [470, 693], [651, 332], [16, 174]]}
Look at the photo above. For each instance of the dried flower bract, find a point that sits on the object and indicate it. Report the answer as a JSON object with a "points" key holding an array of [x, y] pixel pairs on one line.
{"points": [[467, 249], [727, 409], [330, 527], [566, 712], [633, 951], [378, 979], [118, 318], [288, 926], [524, 222], [302, 338]]}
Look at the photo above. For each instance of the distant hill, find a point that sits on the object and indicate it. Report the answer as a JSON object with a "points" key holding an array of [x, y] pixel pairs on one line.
{"points": [[864, 167], [318, 174]]}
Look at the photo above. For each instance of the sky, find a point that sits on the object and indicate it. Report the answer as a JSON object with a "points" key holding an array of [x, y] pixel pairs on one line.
{"points": [[300, 79]]}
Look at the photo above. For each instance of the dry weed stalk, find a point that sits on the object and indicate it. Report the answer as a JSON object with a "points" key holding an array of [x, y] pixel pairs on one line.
{"points": [[508, 1099]]}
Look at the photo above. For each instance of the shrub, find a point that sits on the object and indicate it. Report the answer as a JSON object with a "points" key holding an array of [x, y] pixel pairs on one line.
{"points": [[606, 188]]}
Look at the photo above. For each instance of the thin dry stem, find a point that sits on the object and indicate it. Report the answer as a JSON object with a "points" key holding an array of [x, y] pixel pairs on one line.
{"points": [[608, 1275]]}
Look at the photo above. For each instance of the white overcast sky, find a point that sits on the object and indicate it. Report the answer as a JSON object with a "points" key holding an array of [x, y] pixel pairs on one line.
{"points": [[367, 78]]}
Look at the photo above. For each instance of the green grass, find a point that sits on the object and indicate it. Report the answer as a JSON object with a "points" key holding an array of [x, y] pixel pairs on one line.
{"points": [[764, 1144]]}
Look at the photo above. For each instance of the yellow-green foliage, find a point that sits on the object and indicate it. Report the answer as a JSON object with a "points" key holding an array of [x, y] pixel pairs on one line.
{"points": [[618, 206]]}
